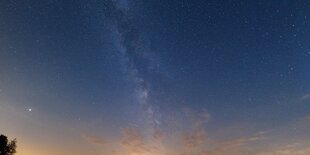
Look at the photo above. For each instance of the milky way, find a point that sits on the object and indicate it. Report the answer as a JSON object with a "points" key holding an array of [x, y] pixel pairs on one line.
{"points": [[136, 59]]}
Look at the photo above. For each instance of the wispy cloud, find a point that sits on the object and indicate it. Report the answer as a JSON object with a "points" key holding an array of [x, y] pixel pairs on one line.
{"points": [[305, 97], [192, 141], [195, 139], [133, 141], [290, 149], [136, 143], [94, 139]]}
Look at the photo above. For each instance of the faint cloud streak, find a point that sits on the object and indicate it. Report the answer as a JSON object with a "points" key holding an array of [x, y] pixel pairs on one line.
{"points": [[94, 139], [305, 97]]}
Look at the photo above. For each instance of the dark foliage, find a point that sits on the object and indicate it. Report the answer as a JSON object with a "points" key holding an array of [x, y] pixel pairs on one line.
{"points": [[6, 147]]}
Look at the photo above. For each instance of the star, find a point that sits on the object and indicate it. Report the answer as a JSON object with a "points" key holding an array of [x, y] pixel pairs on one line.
{"points": [[29, 109]]}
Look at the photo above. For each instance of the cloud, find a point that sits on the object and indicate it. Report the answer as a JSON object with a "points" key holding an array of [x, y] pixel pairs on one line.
{"points": [[291, 149], [94, 139], [158, 135], [137, 143], [197, 119], [305, 97], [236, 146], [197, 135], [209, 147], [133, 141], [195, 139], [192, 140]]}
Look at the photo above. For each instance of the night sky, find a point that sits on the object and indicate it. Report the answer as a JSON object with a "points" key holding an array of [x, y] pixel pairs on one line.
{"points": [[164, 77]]}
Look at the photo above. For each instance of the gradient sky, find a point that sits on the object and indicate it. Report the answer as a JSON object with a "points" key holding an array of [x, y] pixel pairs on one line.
{"points": [[164, 77]]}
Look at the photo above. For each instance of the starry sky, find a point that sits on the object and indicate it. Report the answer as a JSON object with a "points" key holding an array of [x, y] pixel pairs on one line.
{"points": [[164, 77]]}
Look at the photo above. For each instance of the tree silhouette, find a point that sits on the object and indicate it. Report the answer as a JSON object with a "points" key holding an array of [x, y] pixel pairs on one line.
{"points": [[6, 147]]}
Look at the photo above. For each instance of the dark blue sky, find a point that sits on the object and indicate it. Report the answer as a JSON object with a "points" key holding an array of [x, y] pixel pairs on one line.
{"points": [[100, 67]]}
